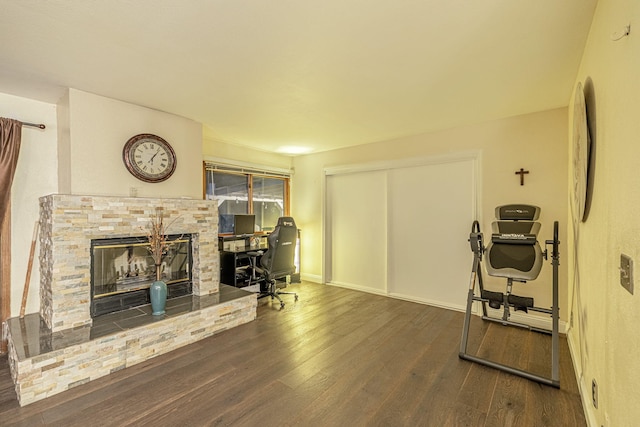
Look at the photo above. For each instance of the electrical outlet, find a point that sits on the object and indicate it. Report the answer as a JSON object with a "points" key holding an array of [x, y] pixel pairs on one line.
{"points": [[594, 393], [626, 272]]}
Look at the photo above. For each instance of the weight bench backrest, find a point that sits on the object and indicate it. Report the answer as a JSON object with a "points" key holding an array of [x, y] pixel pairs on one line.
{"points": [[513, 251]]}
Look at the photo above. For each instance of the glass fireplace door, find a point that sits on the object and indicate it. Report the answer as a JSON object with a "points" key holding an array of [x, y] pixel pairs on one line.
{"points": [[123, 269]]}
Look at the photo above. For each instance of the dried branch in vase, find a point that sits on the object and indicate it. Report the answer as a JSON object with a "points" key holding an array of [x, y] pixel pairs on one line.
{"points": [[158, 243], [157, 238]]}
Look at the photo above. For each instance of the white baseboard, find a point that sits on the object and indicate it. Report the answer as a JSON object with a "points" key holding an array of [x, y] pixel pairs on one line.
{"points": [[427, 301], [358, 288], [397, 296], [311, 278]]}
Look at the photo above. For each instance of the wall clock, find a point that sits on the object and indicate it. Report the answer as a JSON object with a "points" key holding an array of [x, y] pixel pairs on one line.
{"points": [[580, 155], [149, 158]]}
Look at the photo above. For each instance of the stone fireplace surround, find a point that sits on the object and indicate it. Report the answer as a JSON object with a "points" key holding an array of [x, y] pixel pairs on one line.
{"points": [[68, 223]]}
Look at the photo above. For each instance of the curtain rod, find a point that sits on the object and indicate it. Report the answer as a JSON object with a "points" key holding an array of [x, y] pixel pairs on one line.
{"points": [[34, 125]]}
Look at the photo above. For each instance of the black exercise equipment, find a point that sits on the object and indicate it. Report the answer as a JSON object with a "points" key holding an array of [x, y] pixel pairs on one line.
{"points": [[514, 254]]}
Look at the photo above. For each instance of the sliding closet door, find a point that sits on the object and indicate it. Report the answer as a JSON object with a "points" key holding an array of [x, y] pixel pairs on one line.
{"points": [[431, 208], [355, 234]]}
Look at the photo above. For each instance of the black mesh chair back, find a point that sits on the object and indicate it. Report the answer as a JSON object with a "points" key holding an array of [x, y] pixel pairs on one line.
{"points": [[278, 260]]}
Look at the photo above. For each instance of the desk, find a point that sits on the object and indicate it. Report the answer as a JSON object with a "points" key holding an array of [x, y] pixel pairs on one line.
{"points": [[234, 259]]}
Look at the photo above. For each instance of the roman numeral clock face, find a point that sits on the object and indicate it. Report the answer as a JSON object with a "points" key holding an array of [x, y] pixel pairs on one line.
{"points": [[149, 158]]}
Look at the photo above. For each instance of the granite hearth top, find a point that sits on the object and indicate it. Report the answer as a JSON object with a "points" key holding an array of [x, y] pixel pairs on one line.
{"points": [[32, 337]]}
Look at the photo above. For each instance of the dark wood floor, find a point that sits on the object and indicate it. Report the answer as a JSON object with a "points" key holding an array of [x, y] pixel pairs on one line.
{"points": [[335, 358]]}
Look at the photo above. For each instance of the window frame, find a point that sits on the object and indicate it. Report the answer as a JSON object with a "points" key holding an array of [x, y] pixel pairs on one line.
{"points": [[249, 173]]}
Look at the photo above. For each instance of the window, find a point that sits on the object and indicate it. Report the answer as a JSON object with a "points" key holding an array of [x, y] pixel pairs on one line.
{"points": [[244, 191]]}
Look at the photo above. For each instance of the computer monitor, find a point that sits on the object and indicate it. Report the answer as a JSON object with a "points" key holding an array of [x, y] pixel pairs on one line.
{"points": [[244, 224]]}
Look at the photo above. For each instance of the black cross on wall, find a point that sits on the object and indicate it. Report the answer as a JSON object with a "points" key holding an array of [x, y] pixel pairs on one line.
{"points": [[522, 173]]}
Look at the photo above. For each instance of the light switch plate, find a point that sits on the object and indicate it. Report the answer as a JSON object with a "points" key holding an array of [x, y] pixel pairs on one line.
{"points": [[626, 272]]}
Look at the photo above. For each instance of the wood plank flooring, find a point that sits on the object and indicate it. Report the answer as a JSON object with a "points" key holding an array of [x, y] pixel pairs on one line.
{"points": [[334, 358]]}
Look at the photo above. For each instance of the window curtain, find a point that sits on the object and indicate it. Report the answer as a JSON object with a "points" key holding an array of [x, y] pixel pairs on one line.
{"points": [[10, 137]]}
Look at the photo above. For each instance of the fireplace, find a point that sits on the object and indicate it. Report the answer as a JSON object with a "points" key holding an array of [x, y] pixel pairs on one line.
{"points": [[122, 269], [63, 346], [70, 223]]}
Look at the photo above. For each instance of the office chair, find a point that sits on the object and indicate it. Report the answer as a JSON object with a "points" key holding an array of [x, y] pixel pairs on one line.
{"points": [[278, 261], [514, 254]]}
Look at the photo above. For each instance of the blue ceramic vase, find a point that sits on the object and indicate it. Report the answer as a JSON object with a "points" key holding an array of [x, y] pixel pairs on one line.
{"points": [[158, 294]]}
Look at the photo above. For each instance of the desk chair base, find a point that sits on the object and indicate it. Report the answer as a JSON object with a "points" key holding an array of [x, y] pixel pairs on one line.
{"points": [[273, 292]]}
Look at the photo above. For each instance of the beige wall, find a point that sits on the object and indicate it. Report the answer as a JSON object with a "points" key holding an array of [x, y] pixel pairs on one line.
{"points": [[35, 177], [213, 149], [99, 128], [536, 142], [604, 337]]}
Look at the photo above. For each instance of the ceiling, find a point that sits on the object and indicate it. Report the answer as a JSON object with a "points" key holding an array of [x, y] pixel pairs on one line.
{"points": [[316, 75]]}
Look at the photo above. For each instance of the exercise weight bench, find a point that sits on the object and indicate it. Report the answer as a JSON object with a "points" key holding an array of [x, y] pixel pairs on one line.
{"points": [[513, 253]]}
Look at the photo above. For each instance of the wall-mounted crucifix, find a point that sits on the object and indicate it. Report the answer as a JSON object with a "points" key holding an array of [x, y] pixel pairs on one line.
{"points": [[522, 173]]}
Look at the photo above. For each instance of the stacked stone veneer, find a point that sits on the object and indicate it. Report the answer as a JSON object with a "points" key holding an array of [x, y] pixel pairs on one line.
{"points": [[44, 375], [68, 223]]}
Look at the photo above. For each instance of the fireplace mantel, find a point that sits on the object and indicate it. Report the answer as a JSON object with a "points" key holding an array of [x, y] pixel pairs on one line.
{"points": [[68, 223]]}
